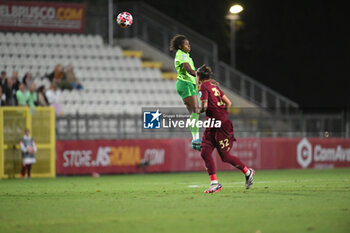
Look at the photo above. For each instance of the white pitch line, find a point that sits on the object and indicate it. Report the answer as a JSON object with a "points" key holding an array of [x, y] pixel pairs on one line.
{"points": [[232, 184]]}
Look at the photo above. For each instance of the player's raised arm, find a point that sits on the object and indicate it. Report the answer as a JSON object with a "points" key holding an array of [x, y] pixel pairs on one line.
{"points": [[188, 68], [227, 102]]}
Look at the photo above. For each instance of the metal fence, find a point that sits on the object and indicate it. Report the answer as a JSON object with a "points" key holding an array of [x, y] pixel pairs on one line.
{"points": [[41, 123], [254, 91], [247, 123]]}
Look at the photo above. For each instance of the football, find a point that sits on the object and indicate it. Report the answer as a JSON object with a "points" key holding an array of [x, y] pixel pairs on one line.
{"points": [[124, 19]]}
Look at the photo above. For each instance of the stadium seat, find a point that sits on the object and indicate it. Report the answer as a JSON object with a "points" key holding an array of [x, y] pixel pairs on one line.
{"points": [[113, 83], [2, 38]]}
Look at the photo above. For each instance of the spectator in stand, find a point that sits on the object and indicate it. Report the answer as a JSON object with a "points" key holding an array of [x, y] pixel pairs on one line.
{"points": [[50, 76], [3, 80], [53, 97], [22, 95], [72, 79], [15, 80], [28, 148], [10, 93], [65, 84], [2, 98], [28, 80], [32, 97], [58, 74], [42, 100]]}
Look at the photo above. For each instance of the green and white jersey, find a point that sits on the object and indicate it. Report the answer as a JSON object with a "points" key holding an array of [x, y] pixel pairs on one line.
{"points": [[180, 58]]}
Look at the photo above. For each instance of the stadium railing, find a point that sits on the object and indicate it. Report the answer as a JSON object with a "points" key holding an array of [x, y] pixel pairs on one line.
{"points": [[247, 123]]}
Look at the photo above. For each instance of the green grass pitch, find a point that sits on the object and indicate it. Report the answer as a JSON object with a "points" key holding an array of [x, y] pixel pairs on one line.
{"points": [[279, 201]]}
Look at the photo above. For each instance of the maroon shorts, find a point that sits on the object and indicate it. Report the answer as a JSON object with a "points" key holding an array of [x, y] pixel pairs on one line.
{"points": [[220, 138]]}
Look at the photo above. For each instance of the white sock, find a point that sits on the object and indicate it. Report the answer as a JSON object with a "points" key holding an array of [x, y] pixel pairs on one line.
{"points": [[195, 136], [247, 173], [213, 182]]}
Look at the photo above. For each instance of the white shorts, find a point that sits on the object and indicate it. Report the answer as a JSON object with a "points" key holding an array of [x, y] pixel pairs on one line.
{"points": [[27, 161]]}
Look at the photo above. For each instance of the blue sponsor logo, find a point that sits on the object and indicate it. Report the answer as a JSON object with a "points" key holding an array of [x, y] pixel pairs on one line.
{"points": [[151, 120]]}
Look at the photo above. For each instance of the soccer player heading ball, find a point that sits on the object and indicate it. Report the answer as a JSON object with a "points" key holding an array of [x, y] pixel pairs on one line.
{"points": [[215, 104], [186, 85]]}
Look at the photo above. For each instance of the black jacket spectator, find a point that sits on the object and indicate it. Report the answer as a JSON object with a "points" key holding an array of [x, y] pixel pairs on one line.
{"points": [[27, 80], [42, 99], [15, 80], [2, 98], [3, 80], [10, 93]]}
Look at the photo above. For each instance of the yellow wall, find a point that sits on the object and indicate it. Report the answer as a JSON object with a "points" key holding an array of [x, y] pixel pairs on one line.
{"points": [[41, 122]]}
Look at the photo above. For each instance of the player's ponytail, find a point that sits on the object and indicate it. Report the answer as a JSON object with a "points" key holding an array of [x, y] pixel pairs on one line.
{"points": [[176, 42]]}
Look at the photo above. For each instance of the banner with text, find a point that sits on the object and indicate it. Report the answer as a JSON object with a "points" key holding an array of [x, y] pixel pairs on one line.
{"points": [[42, 16], [174, 155]]}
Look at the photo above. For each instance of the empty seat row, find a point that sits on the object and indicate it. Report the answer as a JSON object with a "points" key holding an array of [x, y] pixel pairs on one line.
{"points": [[76, 52], [78, 62], [119, 97], [52, 39], [122, 101], [137, 74], [98, 108], [160, 86], [119, 93]]}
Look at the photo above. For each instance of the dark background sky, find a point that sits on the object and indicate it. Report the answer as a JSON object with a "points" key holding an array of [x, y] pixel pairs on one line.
{"points": [[298, 48]]}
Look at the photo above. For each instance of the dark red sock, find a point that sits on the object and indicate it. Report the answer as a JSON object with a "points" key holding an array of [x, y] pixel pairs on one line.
{"points": [[29, 168]]}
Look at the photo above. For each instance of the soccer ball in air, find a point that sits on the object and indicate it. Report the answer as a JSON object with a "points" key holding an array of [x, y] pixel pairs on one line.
{"points": [[124, 19]]}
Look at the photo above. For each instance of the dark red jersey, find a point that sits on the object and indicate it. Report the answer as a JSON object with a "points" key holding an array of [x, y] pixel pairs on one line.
{"points": [[216, 107]]}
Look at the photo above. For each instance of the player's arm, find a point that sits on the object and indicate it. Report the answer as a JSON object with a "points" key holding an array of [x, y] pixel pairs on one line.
{"points": [[23, 148], [227, 102], [204, 106], [189, 69], [34, 147], [204, 96]]}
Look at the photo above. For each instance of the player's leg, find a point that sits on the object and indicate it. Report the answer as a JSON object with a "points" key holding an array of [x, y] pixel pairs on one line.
{"points": [[23, 170], [206, 153], [236, 162], [188, 93], [191, 103], [224, 141], [29, 169]]}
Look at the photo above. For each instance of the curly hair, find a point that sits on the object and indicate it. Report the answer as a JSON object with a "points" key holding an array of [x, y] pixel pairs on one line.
{"points": [[176, 42]]}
